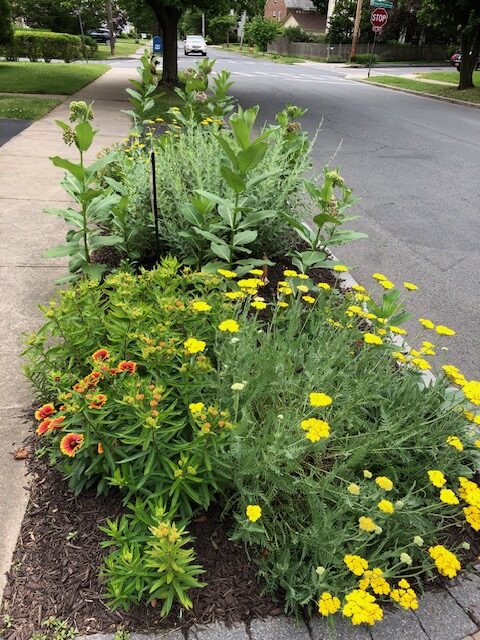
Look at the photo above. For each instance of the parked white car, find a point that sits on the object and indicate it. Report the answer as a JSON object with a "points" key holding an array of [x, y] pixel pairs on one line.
{"points": [[195, 44]]}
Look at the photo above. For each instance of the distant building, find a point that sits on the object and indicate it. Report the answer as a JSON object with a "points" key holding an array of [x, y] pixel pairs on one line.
{"points": [[296, 13]]}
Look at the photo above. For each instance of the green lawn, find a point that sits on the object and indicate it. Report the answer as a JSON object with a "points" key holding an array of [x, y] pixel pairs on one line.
{"points": [[470, 95], [448, 76], [25, 108], [123, 49], [40, 77]]}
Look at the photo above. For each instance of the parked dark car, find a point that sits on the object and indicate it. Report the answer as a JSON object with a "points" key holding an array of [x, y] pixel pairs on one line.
{"points": [[100, 35], [456, 59]]}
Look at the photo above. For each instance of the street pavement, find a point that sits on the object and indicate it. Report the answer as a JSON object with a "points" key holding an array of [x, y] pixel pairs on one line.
{"points": [[414, 163], [10, 128]]}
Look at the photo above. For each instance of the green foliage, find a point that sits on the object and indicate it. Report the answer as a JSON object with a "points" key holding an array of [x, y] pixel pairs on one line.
{"points": [[365, 58], [6, 28], [24, 77], [310, 518], [297, 34], [341, 22], [130, 404], [141, 97], [81, 184], [35, 45], [331, 200], [149, 561], [25, 108], [261, 32], [55, 629], [55, 15], [219, 28]]}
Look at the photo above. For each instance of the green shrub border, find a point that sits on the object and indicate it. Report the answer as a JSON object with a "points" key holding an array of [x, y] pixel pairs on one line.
{"points": [[36, 45]]}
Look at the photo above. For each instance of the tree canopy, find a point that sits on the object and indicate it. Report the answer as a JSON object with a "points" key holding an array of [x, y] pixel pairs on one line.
{"points": [[6, 30]]}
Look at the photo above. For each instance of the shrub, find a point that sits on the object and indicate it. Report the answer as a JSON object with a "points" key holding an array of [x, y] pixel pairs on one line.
{"points": [[261, 32], [6, 29], [297, 34], [365, 58], [35, 45]]}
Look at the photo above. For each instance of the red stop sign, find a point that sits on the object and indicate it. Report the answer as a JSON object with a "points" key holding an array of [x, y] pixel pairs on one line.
{"points": [[379, 18]]}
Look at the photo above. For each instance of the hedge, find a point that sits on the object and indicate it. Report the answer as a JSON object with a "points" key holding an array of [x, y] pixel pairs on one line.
{"points": [[36, 45]]}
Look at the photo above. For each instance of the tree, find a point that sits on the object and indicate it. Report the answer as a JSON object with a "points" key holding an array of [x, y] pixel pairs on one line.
{"points": [[341, 22], [261, 32], [464, 15], [61, 16], [6, 29]]}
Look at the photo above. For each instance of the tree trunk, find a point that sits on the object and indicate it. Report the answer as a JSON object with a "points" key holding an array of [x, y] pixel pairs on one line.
{"points": [[110, 27], [168, 18], [470, 48]]}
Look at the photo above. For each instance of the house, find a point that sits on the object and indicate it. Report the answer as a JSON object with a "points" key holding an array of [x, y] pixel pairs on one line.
{"points": [[296, 13]]}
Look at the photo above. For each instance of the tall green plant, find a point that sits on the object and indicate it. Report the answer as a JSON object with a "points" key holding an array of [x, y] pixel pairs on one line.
{"points": [[141, 97], [94, 203]]}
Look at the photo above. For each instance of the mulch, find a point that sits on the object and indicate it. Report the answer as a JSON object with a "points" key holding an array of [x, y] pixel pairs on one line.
{"points": [[55, 567]]}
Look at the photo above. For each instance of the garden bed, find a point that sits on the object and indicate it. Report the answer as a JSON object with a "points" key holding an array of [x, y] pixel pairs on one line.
{"points": [[55, 566]]}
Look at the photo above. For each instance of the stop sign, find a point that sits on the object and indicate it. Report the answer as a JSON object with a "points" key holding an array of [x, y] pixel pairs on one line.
{"points": [[379, 19]]}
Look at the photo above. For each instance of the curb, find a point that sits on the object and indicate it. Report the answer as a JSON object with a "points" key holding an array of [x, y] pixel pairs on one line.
{"points": [[421, 94]]}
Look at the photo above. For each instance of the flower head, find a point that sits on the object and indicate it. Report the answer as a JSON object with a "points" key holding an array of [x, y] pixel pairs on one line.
{"points": [[319, 399], [43, 427], [254, 512], [366, 524], [410, 286], [405, 596], [323, 285], [448, 496], [97, 401], [309, 299], [237, 386], [437, 478], [426, 323], [229, 325], [316, 429], [196, 407], [472, 516], [356, 564], [258, 304], [386, 284], [303, 288], [384, 483], [354, 489], [192, 345], [446, 562], [362, 608], [455, 442], [101, 354], [340, 268], [379, 276], [375, 580], [45, 411], [127, 365], [71, 443], [200, 305], [371, 338], [226, 273], [290, 273], [442, 330], [328, 604], [386, 506], [472, 391]]}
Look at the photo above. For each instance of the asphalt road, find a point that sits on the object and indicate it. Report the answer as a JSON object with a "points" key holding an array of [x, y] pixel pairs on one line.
{"points": [[415, 164], [9, 128]]}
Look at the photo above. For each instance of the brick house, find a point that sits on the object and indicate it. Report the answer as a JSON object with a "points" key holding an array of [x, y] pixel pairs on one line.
{"points": [[292, 13]]}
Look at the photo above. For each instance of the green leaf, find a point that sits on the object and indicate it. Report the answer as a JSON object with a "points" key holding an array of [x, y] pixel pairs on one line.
{"points": [[250, 157], [254, 219], [75, 169], [61, 251], [221, 250], [94, 271], [244, 237], [104, 241], [84, 134], [234, 181]]}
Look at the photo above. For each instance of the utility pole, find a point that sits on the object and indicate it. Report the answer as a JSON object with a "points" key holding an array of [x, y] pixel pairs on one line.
{"points": [[110, 26], [356, 29], [203, 25]]}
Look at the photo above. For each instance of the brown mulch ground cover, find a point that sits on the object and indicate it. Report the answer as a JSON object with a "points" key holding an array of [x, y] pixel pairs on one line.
{"points": [[56, 561]]}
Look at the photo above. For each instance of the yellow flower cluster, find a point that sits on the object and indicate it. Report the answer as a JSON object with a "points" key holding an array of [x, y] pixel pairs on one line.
{"points": [[453, 374], [192, 345], [448, 496], [371, 338], [362, 608], [446, 562], [472, 516], [250, 285], [469, 492], [405, 595], [328, 604], [200, 305], [366, 524], [472, 391], [319, 399], [437, 478], [254, 512], [455, 442], [384, 483], [230, 325], [356, 564], [315, 429], [386, 506], [376, 581]]}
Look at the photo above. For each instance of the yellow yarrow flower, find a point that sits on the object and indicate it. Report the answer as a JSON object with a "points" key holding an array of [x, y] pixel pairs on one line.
{"points": [[472, 391], [410, 286], [199, 305], [455, 442], [290, 273], [386, 506], [256, 272], [316, 429], [235, 295], [437, 478], [376, 581], [356, 564], [362, 608], [328, 604], [309, 299], [448, 497], [230, 325], [386, 284], [405, 596], [302, 276], [283, 305], [398, 330], [354, 489], [371, 338], [442, 330], [426, 323], [303, 288], [469, 491], [367, 474], [323, 285], [366, 524], [258, 304], [254, 512], [472, 516], [421, 363], [319, 399], [192, 345], [446, 562], [226, 273], [340, 268], [359, 288], [379, 276], [384, 483]]}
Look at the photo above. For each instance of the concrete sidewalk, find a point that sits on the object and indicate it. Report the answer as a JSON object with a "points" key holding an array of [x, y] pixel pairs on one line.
{"points": [[28, 183]]}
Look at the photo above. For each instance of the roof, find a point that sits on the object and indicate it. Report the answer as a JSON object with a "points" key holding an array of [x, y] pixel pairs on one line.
{"points": [[305, 5], [312, 22]]}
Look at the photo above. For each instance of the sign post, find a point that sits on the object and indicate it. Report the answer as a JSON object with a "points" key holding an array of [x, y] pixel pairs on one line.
{"points": [[378, 19]]}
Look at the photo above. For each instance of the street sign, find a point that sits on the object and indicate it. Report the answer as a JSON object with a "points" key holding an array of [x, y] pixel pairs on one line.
{"points": [[379, 19], [157, 43], [384, 4]]}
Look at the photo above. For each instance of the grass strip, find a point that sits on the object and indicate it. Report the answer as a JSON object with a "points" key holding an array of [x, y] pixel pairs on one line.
{"points": [[448, 76], [26, 108], [123, 49], [40, 77], [468, 95]]}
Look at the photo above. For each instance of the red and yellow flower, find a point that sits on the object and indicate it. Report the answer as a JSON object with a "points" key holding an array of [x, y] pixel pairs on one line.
{"points": [[44, 412], [43, 427], [101, 354], [71, 443], [127, 365], [97, 401]]}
